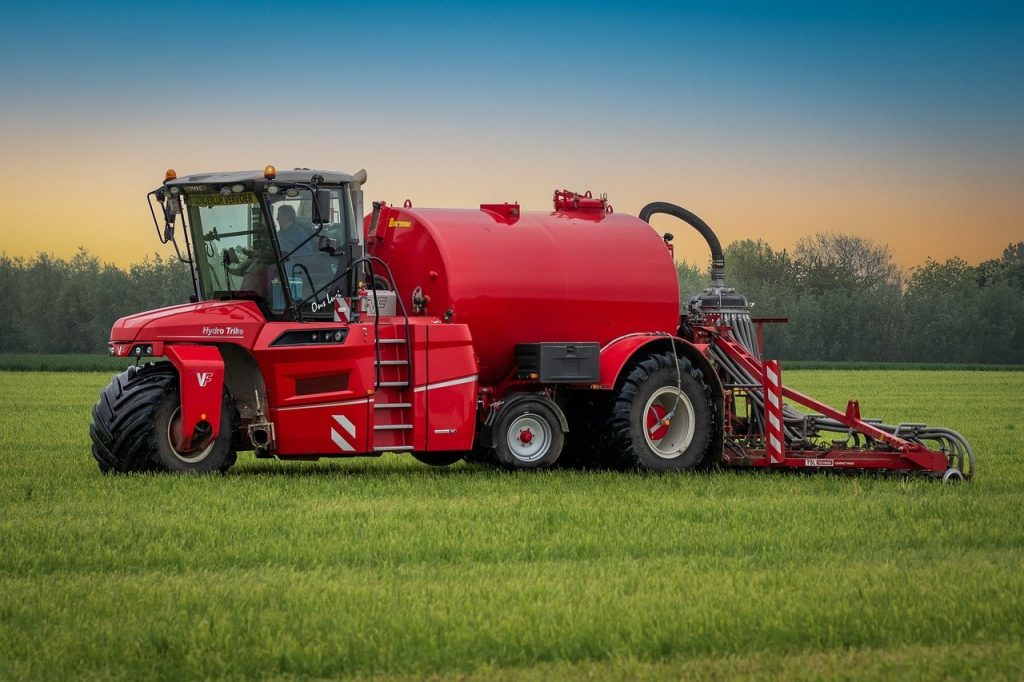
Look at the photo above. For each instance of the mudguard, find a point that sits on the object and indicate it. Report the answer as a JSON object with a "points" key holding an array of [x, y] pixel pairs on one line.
{"points": [[201, 384], [617, 354], [487, 436]]}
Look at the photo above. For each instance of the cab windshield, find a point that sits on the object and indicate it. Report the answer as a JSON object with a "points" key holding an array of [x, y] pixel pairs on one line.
{"points": [[235, 257]]}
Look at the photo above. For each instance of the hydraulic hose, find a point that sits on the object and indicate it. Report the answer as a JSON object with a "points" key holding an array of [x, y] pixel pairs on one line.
{"points": [[717, 257]]}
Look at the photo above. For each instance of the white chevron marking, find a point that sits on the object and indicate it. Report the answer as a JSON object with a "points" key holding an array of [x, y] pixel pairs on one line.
{"points": [[349, 427]]}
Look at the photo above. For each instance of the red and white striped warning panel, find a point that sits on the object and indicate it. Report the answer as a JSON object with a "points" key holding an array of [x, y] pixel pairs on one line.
{"points": [[773, 411]]}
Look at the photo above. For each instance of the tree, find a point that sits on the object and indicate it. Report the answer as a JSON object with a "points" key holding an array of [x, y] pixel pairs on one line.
{"points": [[831, 261], [692, 281]]}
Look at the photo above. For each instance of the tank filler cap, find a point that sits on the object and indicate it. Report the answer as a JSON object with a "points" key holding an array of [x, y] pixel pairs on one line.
{"points": [[567, 200]]}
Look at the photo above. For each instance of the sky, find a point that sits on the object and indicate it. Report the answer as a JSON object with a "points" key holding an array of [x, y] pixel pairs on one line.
{"points": [[899, 122]]}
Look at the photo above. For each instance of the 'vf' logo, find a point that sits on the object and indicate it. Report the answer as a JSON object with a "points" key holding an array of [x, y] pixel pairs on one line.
{"points": [[204, 378]]}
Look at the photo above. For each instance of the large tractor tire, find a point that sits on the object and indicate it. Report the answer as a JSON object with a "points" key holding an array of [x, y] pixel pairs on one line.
{"points": [[662, 417], [134, 420]]}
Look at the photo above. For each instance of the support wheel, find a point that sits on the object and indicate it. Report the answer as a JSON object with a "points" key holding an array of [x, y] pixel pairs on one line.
{"points": [[662, 417], [438, 459], [952, 475], [137, 418], [528, 436]]}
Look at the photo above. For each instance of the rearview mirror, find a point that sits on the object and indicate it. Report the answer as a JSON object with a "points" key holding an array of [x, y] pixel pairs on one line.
{"points": [[322, 208], [169, 217], [328, 245]]}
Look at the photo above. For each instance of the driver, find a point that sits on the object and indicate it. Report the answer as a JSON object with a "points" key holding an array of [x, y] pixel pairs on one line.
{"points": [[258, 267], [289, 234]]}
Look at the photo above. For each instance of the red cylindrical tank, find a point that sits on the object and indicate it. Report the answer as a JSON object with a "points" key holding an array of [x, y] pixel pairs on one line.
{"points": [[512, 277]]}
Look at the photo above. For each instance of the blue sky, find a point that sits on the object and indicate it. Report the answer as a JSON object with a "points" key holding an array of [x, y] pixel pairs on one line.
{"points": [[744, 111]]}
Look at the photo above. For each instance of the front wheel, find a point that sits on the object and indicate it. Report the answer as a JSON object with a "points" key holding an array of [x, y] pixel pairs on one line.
{"points": [[661, 417], [137, 420]]}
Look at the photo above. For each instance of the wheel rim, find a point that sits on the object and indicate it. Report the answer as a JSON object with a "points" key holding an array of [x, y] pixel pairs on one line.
{"points": [[174, 430], [952, 475], [668, 438], [528, 438]]}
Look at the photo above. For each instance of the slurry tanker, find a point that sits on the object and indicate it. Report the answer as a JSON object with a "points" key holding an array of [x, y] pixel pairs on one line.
{"points": [[527, 339]]}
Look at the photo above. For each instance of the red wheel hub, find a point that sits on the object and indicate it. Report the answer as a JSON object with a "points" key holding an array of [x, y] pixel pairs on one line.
{"points": [[525, 436], [655, 415]]}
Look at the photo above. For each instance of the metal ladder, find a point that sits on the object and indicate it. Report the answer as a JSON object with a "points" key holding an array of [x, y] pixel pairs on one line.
{"points": [[392, 405]]}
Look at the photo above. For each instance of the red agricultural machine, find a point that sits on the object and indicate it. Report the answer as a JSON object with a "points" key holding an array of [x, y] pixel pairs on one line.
{"points": [[523, 338]]}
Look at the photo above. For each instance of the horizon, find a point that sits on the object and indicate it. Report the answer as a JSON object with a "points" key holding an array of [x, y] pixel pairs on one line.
{"points": [[901, 125]]}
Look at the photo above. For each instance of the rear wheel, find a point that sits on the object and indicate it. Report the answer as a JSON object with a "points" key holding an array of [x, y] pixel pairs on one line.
{"points": [[137, 421], [661, 416]]}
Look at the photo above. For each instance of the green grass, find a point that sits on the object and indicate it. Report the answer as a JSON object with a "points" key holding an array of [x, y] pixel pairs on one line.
{"points": [[898, 366], [387, 568]]}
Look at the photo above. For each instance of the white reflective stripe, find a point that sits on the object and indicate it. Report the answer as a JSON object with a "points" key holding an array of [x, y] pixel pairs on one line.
{"points": [[350, 428], [341, 442], [774, 400], [318, 405], [774, 421], [344, 423], [445, 384], [774, 445], [773, 378]]}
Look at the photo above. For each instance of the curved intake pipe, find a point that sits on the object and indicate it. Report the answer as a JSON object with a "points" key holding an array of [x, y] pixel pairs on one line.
{"points": [[717, 257]]}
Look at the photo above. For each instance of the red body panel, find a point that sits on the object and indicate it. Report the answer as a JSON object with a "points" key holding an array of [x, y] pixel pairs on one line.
{"points": [[346, 421], [450, 389], [537, 277], [235, 322]]}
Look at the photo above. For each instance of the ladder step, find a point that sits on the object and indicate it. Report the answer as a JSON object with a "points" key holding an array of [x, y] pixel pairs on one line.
{"points": [[387, 406], [392, 427], [395, 384], [392, 448], [391, 341], [392, 362]]}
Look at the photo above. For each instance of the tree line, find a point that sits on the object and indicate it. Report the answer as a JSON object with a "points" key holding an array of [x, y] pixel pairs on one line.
{"points": [[844, 296], [846, 299], [56, 305]]}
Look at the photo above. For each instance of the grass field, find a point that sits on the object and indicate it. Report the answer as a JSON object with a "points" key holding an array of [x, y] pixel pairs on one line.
{"points": [[386, 568]]}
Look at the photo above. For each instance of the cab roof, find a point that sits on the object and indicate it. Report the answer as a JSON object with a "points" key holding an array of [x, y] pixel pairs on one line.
{"points": [[295, 175]]}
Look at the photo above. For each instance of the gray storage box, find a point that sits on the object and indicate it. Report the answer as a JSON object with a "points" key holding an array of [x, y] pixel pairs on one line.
{"points": [[559, 363]]}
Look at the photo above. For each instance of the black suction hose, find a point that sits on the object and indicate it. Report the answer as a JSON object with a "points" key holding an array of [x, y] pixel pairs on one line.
{"points": [[717, 257]]}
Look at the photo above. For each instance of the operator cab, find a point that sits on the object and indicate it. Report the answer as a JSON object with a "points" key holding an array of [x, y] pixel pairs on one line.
{"points": [[285, 240]]}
